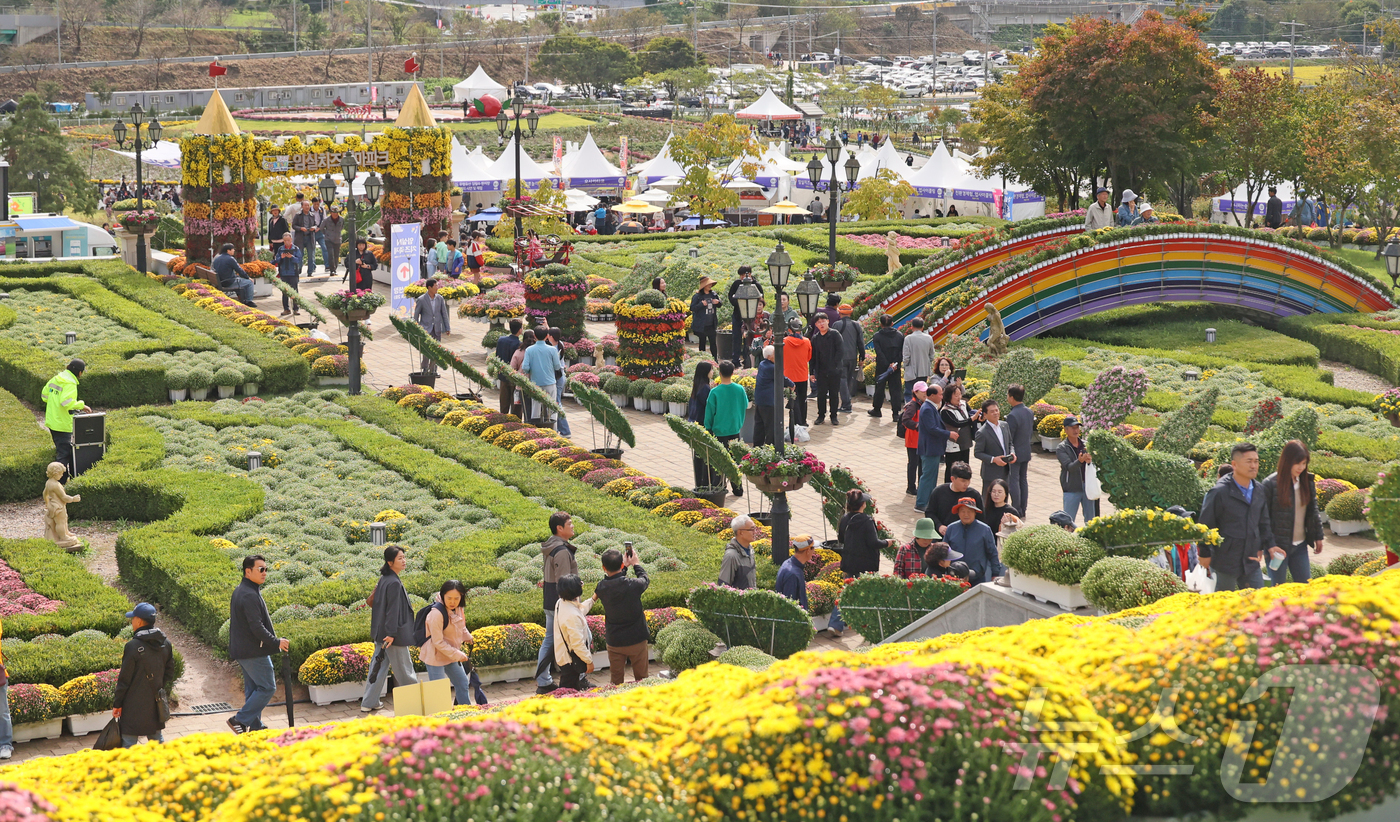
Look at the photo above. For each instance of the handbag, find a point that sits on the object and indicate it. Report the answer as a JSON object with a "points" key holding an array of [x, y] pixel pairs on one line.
{"points": [[111, 737], [162, 707], [1092, 488]]}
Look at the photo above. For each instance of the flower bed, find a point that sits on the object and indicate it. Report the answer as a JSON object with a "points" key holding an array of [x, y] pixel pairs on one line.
{"points": [[651, 335], [1117, 583], [1143, 533], [878, 606]]}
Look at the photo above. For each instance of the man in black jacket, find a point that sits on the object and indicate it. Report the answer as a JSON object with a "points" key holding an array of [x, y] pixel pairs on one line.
{"points": [[506, 347], [828, 357], [251, 643], [889, 351], [231, 275], [1273, 210], [148, 662], [1237, 506], [625, 622], [740, 352]]}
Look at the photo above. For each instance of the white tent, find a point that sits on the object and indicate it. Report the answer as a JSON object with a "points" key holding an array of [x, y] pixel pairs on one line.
{"points": [[476, 85], [886, 157], [1231, 207], [803, 182], [768, 107], [166, 154], [939, 173], [470, 171], [660, 166], [588, 168], [504, 167], [774, 156], [575, 200]]}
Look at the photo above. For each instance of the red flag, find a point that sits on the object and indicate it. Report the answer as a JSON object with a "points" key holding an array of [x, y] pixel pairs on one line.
{"points": [[216, 70], [411, 65]]}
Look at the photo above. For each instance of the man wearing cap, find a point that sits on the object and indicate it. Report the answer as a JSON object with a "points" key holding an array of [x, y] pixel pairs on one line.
{"points": [[933, 441], [330, 240], [1127, 211], [1100, 214], [792, 578], [910, 559], [972, 538], [148, 665], [942, 561], [1074, 458], [60, 404], [853, 348], [1063, 520], [704, 307]]}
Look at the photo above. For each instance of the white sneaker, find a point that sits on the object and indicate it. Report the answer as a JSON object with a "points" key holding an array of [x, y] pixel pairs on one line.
{"points": [[365, 710], [6, 751]]}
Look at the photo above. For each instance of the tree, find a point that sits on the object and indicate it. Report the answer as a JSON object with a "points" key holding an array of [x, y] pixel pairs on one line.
{"points": [[33, 141], [1137, 100], [879, 197], [593, 64], [316, 32], [741, 15], [1020, 145], [666, 53], [1330, 134], [547, 196], [1256, 140], [141, 15], [681, 83], [77, 15], [637, 23], [720, 142]]}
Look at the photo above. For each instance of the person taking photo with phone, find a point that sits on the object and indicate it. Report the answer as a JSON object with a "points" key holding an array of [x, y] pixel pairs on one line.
{"points": [[624, 619]]}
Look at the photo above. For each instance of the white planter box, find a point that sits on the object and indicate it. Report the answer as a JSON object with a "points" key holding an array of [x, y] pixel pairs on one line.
{"points": [[609, 360], [819, 623], [343, 692], [333, 380], [226, 391], [506, 673], [250, 389], [641, 403], [677, 408], [870, 391], [177, 394], [1345, 528], [84, 724], [620, 400], [1068, 597], [587, 359], [263, 288], [1049, 443], [51, 729]]}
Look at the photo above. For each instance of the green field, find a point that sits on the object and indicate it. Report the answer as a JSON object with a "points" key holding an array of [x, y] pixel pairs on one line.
{"points": [[1180, 327]]}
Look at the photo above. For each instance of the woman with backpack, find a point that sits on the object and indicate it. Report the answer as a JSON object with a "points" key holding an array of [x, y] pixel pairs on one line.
{"points": [[909, 423], [573, 641], [444, 632], [391, 628]]}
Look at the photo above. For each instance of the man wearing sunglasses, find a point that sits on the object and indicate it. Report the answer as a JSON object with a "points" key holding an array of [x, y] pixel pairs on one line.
{"points": [[251, 644]]}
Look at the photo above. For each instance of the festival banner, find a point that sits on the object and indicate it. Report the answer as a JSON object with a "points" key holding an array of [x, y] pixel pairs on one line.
{"points": [[558, 156], [404, 245], [624, 155]]}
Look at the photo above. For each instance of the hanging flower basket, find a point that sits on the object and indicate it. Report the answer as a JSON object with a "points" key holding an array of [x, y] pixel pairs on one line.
{"points": [[351, 306], [775, 485], [834, 278], [772, 474], [140, 222]]}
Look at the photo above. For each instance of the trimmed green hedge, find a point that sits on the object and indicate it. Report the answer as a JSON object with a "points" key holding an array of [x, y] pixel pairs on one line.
{"points": [[88, 602], [1377, 352], [55, 661], [172, 561], [25, 451], [170, 322]]}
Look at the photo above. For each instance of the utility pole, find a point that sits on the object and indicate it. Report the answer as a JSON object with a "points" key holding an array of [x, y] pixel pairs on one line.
{"points": [[369, 57], [935, 37], [1292, 43], [695, 26], [295, 3]]}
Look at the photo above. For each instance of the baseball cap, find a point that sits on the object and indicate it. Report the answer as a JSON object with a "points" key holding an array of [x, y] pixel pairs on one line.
{"points": [[920, 386], [1070, 420], [145, 612], [1062, 519]]}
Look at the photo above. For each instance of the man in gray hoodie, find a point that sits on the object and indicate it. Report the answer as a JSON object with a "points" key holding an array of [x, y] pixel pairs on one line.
{"points": [[918, 357], [558, 562]]}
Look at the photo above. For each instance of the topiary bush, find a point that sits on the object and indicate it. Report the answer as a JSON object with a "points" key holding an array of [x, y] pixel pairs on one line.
{"points": [[746, 656], [1020, 366], [765, 619], [689, 649], [1112, 396], [880, 606], [1349, 506], [1144, 479], [1050, 552], [1119, 583], [1346, 564], [1184, 427]]}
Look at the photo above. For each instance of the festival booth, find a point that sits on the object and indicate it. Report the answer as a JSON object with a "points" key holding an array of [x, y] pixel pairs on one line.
{"points": [[659, 167], [768, 108], [1232, 206], [588, 170], [477, 85], [471, 172], [947, 180], [885, 157], [531, 172]]}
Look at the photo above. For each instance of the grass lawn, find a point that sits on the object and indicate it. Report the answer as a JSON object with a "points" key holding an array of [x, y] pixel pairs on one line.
{"points": [[1182, 327], [547, 123], [1366, 260], [263, 19]]}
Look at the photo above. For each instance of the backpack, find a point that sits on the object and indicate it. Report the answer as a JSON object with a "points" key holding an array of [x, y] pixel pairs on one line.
{"points": [[420, 622], [848, 331], [911, 410]]}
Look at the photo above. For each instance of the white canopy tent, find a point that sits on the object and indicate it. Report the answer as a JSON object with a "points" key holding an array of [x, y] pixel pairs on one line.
{"points": [[768, 107], [886, 157], [476, 85], [1231, 207], [660, 166], [471, 171], [575, 200], [588, 168], [166, 154], [531, 172]]}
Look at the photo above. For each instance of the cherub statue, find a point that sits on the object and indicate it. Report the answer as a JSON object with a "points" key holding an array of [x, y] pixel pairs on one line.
{"points": [[997, 340], [892, 252], [56, 511]]}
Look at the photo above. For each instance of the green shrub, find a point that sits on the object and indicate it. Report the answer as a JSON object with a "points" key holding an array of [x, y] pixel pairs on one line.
{"points": [[1361, 473], [88, 602], [880, 606], [1050, 552], [228, 377], [654, 391], [746, 656], [1348, 506], [1179, 432], [1377, 352], [764, 619], [25, 452], [1300, 425], [1144, 479], [667, 635], [1021, 366], [199, 379], [676, 394], [617, 385], [1346, 564], [638, 388], [1120, 583], [177, 379], [689, 649]]}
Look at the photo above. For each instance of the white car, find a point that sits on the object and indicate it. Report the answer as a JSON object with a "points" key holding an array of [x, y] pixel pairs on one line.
{"points": [[972, 57]]}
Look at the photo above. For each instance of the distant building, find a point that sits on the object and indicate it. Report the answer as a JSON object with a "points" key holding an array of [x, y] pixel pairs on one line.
{"points": [[316, 96]]}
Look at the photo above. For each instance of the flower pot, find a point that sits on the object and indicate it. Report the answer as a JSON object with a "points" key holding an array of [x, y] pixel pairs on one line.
{"points": [[819, 623], [677, 408], [657, 406], [510, 672], [620, 400], [1068, 597], [333, 380], [833, 545], [250, 389], [50, 729], [197, 394], [226, 391], [641, 403], [456, 200], [832, 286], [263, 288], [588, 359], [764, 518], [608, 453], [427, 378], [1344, 528], [1049, 443], [177, 394], [1394, 418], [341, 692], [716, 496], [750, 420], [870, 391], [84, 724], [774, 485]]}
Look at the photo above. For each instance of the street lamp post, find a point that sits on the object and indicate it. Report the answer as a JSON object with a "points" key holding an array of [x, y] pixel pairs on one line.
{"points": [[350, 169], [153, 130], [38, 177], [1392, 259], [779, 267], [834, 188], [517, 106]]}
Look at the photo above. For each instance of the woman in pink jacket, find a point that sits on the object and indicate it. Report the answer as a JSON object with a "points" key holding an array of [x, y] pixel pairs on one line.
{"points": [[447, 634]]}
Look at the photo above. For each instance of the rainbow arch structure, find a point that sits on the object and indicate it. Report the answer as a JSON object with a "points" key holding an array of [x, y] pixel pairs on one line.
{"points": [[1206, 267]]}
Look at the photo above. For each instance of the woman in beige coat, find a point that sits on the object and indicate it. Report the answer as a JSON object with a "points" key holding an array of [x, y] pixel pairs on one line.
{"points": [[573, 641], [443, 653]]}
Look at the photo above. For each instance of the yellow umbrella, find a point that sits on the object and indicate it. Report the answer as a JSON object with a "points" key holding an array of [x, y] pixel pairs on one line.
{"points": [[783, 207], [637, 207]]}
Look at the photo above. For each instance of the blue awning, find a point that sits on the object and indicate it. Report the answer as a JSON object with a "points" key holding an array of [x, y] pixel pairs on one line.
{"points": [[45, 223]]}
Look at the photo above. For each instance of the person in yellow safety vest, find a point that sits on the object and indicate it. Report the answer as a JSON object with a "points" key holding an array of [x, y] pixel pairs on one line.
{"points": [[60, 404]]}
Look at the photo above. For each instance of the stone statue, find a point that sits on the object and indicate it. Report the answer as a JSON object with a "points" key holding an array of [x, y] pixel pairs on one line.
{"points": [[56, 511], [892, 252], [997, 341]]}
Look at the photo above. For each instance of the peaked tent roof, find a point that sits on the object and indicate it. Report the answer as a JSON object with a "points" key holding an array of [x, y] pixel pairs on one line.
{"points": [[588, 167], [768, 107], [504, 166], [216, 118], [886, 157], [775, 157], [661, 166], [414, 113], [941, 171], [476, 85], [470, 170]]}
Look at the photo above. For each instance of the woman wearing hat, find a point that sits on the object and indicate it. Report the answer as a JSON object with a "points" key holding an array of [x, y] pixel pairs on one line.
{"points": [[1128, 211], [910, 559], [942, 561], [861, 545], [704, 322]]}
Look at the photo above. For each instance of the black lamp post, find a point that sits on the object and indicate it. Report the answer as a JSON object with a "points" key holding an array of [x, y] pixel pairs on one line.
{"points": [[834, 188], [517, 106], [1392, 259], [350, 169], [779, 267], [153, 130], [38, 178]]}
